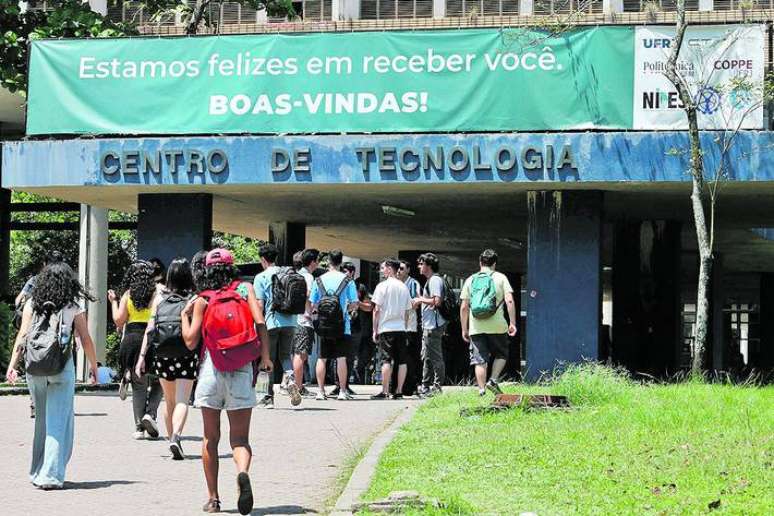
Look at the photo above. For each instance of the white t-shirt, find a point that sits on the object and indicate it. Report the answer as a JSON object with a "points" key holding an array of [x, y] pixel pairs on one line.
{"points": [[305, 319], [394, 301]]}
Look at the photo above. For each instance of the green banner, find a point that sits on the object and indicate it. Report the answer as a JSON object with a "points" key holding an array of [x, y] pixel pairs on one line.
{"points": [[430, 81]]}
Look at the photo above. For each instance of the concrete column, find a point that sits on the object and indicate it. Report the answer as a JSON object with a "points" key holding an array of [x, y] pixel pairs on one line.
{"points": [[289, 237], [345, 10], [92, 273], [563, 278], [5, 241], [439, 8], [706, 5], [762, 356], [170, 225], [526, 7], [612, 6], [98, 6]]}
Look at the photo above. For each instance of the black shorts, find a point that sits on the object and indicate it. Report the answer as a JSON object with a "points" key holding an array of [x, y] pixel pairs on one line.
{"points": [[303, 340], [488, 345], [393, 347], [335, 348]]}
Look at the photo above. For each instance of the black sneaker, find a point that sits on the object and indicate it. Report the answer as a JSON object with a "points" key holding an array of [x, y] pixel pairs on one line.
{"points": [[397, 396], [176, 448], [380, 396], [350, 391], [494, 387], [334, 392], [245, 500]]}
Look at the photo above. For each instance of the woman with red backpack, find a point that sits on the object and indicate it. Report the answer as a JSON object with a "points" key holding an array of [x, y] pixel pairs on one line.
{"points": [[226, 317]]}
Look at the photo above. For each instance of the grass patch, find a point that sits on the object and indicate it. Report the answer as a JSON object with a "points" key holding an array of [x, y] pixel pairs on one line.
{"points": [[625, 448]]}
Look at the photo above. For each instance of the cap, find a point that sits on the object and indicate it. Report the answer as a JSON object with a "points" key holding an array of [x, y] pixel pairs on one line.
{"points": [[219, 256]]}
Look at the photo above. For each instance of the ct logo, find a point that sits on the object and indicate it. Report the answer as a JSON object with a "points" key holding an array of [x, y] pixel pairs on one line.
{"points": [[707, 100]]}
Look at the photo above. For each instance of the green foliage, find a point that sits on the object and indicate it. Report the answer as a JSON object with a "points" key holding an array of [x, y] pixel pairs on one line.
{"points": [[244, 249], [624, 448], [29, 248], [6, 334], [112, 343], [71, 19]]}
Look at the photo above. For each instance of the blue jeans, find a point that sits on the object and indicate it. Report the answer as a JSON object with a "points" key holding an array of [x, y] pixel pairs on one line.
{"points": [[52, 444]]}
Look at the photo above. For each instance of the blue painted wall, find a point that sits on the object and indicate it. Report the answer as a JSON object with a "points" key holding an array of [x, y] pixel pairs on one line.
{"points": [[599, 157], [564, 293]]}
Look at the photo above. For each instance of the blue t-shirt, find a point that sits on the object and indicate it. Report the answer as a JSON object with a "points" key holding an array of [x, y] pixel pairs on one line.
{"points": [[331, 281], [262, 286]]}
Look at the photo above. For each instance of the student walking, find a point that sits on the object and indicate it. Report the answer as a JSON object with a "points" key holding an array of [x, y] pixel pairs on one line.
{"points": [[333, 296], [280, 323], [303, 339], [227, 318], [132, 313], [413, 332], [483, 320], [366, 345], [173, 363], [392, 306], [433, 324], [49, 319]]}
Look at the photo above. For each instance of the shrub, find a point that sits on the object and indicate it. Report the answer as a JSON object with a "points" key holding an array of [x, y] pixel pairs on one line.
{"points": [[592, 384]]}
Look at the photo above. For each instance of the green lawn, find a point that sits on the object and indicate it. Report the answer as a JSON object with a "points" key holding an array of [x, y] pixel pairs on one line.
{"points": [[623, 449]]}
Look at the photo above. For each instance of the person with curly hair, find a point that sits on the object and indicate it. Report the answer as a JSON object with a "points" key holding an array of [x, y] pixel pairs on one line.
{"points": [[198, 270], [132, 313], [56, 290], [173, 363], [226, 383]]}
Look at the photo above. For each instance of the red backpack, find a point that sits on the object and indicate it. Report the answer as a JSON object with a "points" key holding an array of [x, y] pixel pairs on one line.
{"points": [[228, 329]]}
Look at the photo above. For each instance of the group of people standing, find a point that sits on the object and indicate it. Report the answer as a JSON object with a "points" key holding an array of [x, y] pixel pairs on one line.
{"points": [[197, 327]]}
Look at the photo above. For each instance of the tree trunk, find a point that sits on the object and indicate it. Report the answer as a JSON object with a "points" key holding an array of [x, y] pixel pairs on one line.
{"points": [[197, 15], [698, 196]]}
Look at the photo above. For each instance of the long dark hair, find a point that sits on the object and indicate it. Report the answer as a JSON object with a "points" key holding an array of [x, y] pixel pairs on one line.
{"points": [[140, 283], [198, 270], [179, 278], [56, 287], [218, 276]]}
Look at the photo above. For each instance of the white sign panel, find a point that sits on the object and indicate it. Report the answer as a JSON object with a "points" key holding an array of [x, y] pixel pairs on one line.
{"points": [[710, 61]]}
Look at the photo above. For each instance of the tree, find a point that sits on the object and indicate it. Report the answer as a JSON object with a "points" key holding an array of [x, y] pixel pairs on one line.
{"points": [[705, 185], [193, 12], [70, 19]]}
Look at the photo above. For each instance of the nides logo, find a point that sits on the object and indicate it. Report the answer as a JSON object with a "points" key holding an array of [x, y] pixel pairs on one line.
{"points": [[656, 42]]}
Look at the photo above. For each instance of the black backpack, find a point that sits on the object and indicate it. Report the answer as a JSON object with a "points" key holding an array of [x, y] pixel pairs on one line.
{"points": [[288, 292], [167, 330], [449, 308], [329, 323], [44, 353]]}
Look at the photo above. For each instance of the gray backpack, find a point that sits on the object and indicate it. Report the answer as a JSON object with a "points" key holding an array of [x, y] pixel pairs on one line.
{"points": [[45, 354]]}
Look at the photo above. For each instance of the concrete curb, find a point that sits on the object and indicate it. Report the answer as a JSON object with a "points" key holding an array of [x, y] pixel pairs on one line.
{"points": [[364, 471]]}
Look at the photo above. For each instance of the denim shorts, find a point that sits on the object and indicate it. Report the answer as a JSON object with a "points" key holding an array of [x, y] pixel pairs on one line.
{"points": [[222, 390]]}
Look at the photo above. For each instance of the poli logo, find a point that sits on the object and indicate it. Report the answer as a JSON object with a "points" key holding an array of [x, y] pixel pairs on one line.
{"points": [[707, 100], [740, 99]]}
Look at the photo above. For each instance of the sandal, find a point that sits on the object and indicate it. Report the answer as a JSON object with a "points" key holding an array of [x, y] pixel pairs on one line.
{"points": [[212, 506]]}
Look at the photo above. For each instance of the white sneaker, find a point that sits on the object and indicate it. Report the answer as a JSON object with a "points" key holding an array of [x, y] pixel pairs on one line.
{"points": [[295, 394], [321, 396], [138, 435], [150, 426], [348, 396], [342, 396]]}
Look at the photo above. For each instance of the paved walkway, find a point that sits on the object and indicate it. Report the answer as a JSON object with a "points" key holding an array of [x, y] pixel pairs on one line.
{"points": [[298, 453]]}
